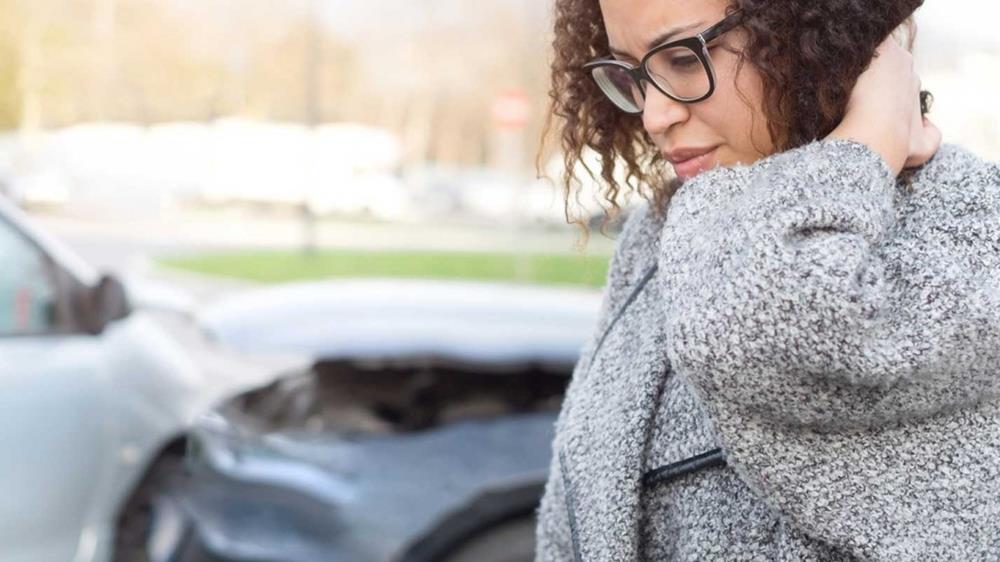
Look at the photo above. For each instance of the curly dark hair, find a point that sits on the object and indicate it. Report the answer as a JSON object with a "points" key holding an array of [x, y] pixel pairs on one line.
{"points": [[809, 55]]}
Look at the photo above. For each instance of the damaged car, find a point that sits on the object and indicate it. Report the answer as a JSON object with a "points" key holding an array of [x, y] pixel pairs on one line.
{"points": [[101, 382], [422, 432]]}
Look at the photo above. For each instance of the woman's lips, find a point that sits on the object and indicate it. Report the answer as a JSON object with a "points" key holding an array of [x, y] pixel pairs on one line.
{"points": [[696, 165]]}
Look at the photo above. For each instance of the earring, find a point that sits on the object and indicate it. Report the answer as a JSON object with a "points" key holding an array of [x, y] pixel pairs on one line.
{"points": [[926, 101]]}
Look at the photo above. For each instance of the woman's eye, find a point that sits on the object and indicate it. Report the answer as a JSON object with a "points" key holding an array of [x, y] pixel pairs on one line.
{"points": [[684, 62]]}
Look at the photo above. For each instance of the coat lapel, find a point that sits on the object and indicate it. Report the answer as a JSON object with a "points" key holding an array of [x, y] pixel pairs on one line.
{"points": [[608, 424]]}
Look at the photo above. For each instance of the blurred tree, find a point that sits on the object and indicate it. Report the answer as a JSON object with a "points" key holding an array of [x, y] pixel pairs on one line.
{"points": [[10, 99], [429, 72]]}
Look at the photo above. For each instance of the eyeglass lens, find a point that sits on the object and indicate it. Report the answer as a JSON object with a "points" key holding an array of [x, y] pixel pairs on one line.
{"points": [[678, 71], [619, 87]]}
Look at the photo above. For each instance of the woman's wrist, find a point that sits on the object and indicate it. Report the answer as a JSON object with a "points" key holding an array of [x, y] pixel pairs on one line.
{"points": [[876, 138]]}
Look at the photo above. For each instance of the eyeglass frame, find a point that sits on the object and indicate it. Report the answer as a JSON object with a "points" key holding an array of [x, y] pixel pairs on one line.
{"points": [[697, 44]]}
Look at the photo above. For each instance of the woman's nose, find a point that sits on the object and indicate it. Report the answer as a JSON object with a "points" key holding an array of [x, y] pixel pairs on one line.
{"points": [[660, 112]]}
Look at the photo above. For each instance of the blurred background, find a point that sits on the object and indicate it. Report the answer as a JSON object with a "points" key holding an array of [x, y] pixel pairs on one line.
{"points": [[224, 125], [279, 280]]}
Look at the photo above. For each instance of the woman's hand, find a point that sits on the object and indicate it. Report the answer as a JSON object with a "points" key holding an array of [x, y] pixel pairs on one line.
{"points": [[884, 111]]}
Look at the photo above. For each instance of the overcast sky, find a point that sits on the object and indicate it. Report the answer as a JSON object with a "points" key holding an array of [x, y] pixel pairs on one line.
{"points": [[958, 23], [969, 21], [963, 24]]}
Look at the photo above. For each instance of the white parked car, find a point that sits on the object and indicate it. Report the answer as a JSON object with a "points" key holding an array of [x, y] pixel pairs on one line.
{"points": [[97, 392]]}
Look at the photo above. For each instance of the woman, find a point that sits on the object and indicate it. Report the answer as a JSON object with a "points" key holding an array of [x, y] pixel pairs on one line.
{"points": [[798, 354]]}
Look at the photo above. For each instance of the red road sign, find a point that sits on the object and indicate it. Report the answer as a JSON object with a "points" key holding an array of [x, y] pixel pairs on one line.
{"points": [[511, 110]]}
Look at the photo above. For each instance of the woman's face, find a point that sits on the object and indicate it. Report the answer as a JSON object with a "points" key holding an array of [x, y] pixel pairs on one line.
{"points": [[723, 122]]}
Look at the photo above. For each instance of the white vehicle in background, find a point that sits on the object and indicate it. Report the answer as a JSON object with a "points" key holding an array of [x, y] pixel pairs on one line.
{"points": [[97, 392], [41, 189], [337, 168]]}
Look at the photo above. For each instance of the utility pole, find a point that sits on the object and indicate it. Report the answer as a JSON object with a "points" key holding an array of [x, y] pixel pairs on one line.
{"points": [[312, 114], [105, 26], [30, 71], [29, 84]]}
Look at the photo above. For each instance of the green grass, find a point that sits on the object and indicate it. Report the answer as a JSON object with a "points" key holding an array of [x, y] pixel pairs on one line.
{"points": [[277, 266]]}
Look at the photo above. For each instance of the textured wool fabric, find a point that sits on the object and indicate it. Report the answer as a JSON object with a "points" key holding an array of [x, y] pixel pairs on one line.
{"points": [[682, 521], [835, 332]]}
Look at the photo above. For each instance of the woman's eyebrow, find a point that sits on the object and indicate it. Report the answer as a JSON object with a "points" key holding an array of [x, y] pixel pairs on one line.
{"points": [[661, 38]]}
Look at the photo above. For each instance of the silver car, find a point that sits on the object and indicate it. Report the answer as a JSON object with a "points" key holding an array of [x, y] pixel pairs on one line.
{"points": [[421, 434], [98, 390]]}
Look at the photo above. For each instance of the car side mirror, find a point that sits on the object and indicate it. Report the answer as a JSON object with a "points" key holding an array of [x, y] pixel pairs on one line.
{"points": [[108, 302]]}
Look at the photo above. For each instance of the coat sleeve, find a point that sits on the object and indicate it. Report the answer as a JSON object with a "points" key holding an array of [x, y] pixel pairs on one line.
{"points": [[795, 289]]}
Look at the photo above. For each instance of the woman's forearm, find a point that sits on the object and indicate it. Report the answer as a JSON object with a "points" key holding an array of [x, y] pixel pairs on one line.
{"points": [[788, 280], [877, 136], [779, 262]]}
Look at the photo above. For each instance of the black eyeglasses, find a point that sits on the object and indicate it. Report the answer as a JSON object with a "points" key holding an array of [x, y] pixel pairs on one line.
{"points": [[681, 70]]}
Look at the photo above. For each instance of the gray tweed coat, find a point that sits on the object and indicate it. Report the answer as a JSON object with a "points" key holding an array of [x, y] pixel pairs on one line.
{"points": [[835, 333]]}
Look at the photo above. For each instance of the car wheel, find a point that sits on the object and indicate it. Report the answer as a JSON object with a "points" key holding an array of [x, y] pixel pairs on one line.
{"points": [[151, 525], [512, 541]]}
